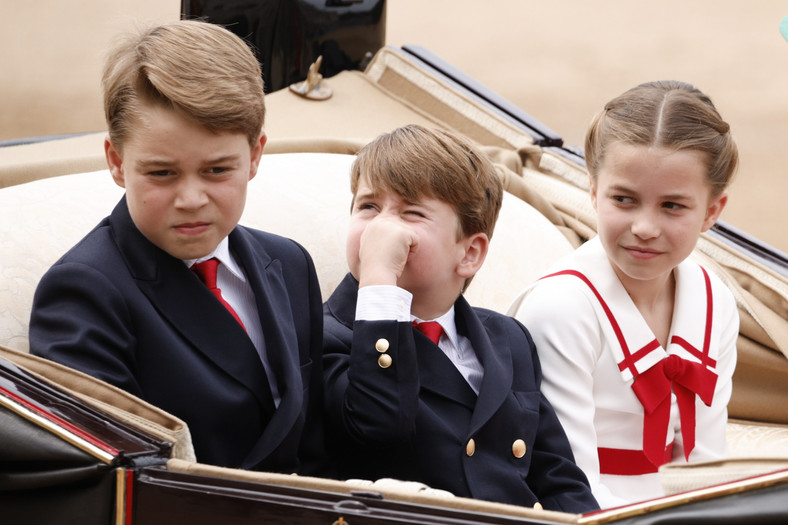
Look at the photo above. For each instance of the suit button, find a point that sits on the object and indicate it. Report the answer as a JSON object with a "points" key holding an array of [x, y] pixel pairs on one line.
{"points": [[470, 448], [382, 345], [384, 361], [518, 448]]}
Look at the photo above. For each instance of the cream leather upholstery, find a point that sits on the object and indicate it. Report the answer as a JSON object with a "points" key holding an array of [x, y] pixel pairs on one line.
{"points": [[305, 196]]}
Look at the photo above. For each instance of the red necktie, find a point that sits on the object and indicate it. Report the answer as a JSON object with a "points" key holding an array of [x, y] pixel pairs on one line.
{"points": [[206, 271], [431, 329]]}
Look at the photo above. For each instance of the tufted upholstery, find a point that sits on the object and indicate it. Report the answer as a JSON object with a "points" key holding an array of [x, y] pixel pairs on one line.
{"points": [[305, 196]]}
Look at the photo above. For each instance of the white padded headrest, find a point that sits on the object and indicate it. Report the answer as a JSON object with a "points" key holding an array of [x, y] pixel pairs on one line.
{"points": [[305, 196]]}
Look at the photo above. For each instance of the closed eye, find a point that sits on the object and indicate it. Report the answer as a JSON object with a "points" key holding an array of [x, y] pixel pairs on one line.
{"points": [[362, 206], [160, 173]]}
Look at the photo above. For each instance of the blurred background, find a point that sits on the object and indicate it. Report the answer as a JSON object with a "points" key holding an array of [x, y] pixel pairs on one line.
{"points": [[559, 61]]}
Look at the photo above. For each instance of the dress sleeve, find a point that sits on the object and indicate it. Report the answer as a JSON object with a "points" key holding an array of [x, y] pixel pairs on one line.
{"points": [[568, 338]]}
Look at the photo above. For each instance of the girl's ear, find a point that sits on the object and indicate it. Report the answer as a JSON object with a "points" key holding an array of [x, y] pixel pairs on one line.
{"points": [[714, 210], [592, 190], [476, 247]]}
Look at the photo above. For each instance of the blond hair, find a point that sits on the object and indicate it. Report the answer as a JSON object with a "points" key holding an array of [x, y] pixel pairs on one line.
{"points": [[414, 162], [199, 69], [668, 114]]}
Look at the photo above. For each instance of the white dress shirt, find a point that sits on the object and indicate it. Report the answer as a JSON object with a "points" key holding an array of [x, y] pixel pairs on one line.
{"points": [[235, 288]]}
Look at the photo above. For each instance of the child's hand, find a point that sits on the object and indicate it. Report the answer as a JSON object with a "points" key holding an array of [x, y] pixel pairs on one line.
{"points": [[384, 249]]}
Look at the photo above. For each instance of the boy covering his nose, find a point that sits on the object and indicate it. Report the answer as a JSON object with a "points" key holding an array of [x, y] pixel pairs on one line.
{"points": [[455, 405]]}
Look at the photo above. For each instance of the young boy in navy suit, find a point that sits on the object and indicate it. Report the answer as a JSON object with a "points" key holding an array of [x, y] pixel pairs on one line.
{"points": [[461, 412], [236, 356]]}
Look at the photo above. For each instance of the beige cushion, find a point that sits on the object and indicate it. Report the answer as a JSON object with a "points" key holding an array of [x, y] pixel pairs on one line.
{"points": [[757, 440], [755, 449], [693, 476], [41, 220], [305, 196]]}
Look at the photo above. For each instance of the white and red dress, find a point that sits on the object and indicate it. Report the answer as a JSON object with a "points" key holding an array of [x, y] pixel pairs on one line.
{"points": [[627, 404]]}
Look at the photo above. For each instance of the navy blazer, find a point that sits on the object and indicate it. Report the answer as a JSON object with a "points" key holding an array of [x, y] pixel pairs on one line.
{"points": [[120, 309], [415, 419]]}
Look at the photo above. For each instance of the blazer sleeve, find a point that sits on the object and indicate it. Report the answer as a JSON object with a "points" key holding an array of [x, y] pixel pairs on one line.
{"points": [[80, 319], [563, 325], [371, 405]]}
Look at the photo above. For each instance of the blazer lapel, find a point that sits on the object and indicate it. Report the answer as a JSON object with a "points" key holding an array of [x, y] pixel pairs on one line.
{"points": [[194, 312], [439, 375], [493, 349], [342, 302], [267, 281]]}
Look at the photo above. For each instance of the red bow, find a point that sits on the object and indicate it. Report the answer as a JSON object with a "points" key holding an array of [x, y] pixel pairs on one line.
{"points": [[653, 388]]}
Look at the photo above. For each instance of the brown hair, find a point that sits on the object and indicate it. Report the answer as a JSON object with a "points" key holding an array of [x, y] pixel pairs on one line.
{"points": [[199, 69], [414, 162], [668, 114]]}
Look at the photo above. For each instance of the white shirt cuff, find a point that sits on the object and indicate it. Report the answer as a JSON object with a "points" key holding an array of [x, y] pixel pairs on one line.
{"points": [[383, 303]]}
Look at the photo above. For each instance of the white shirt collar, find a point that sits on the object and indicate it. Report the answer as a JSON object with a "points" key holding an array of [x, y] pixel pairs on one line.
{"points": [[447, 323], [222, 252]]}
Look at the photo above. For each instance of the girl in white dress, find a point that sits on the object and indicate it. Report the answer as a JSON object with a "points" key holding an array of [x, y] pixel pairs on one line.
{"points": [[637, 342]]}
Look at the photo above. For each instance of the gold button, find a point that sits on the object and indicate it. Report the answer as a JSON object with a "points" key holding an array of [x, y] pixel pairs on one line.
{"points": [[518, 448], [382, 345], [470, 448], [538, 506], [384, 361]]}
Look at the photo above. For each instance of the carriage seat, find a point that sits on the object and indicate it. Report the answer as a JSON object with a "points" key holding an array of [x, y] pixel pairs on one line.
{"points": [[304, 196]]}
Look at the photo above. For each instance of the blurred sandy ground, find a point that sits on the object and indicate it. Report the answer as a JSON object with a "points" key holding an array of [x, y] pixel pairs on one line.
{"points": [[559, 61]]}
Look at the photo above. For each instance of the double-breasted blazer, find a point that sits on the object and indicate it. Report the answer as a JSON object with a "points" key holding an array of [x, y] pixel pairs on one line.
{"points": [[120, 309], [419, 420]]}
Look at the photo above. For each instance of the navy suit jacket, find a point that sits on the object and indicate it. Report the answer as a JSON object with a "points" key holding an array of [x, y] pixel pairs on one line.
{"points": [[119, 308], [414, 420]]}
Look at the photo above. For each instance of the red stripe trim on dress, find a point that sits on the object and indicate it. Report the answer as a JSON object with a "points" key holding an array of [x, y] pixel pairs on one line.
{"points": [[702, 355], [640, 354], [629, 359], [625, 462], [709, 313], [686, 345]]}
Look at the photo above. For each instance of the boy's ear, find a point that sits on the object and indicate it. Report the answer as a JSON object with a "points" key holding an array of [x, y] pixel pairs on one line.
{"points": [[476, 247], [714, 210], [257, 152], [114, 162]]}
